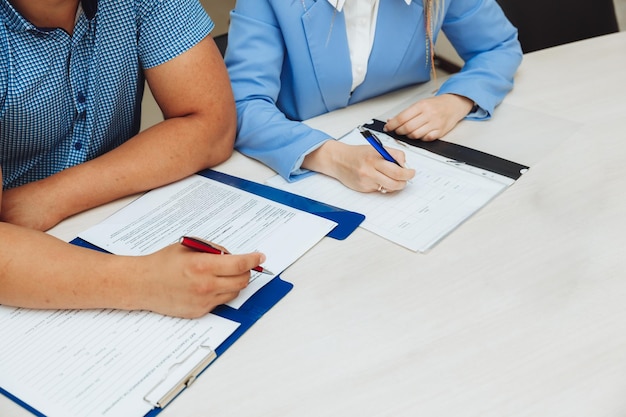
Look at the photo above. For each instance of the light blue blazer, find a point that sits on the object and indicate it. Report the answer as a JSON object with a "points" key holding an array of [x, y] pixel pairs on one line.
{"points": [[288, 61]]}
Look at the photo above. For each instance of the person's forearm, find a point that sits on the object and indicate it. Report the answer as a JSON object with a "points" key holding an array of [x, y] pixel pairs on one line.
{"points": [[40, 271], [169, 151]]}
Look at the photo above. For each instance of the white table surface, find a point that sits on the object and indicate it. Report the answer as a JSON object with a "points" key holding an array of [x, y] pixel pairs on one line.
{"points": [[519, 312]]}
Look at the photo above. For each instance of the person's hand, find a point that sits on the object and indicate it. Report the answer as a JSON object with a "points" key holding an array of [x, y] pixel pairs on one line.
{"points": [[431, 118], [178, 281], [360, 167]]}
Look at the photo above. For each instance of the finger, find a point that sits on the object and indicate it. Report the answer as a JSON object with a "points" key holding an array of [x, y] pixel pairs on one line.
{"points": [[403, 117], [415, 128], [432, 135], [398, 173], [398, 155], [412, 127], [427, 131], [205, 304], [392, 178], [231, 284], [386, 186], [233, 265], [225, 297]]}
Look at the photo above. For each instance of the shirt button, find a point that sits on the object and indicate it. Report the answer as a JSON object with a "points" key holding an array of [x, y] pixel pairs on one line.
{"points": [[81, 97], [78, 146]]}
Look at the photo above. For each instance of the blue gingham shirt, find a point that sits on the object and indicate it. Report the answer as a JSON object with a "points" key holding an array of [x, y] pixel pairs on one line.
{"points": [[67, 99]]}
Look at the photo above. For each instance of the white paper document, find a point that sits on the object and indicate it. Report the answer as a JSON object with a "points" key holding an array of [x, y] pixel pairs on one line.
{"points": [[439, 198], [98, 362], [109, 363], [198, 206]]}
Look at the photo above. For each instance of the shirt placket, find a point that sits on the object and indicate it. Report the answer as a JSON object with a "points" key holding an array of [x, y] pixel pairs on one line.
{"points": [[80, 60]]}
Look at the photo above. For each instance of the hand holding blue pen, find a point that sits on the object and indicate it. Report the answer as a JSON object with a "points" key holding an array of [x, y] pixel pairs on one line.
{"points": [[378, 145]]}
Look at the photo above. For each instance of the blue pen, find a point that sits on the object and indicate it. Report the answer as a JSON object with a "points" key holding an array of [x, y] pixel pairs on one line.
{"points": [[378, 145]]}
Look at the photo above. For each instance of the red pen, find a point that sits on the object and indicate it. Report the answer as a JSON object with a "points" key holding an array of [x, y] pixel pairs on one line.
{"points": [[200, 245]]}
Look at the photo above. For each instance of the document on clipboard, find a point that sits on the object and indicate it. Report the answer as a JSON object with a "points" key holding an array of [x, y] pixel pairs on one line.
{"points": [[96, 363], [199, 206], [452, 182], [103, 362]]}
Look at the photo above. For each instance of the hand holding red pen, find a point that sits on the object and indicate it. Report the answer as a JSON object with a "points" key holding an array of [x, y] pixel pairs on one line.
{"points": [[187, 283], [202, 245]]}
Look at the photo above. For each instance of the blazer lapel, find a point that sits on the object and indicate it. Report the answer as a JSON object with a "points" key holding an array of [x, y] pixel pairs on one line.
{"points": [[399, 30], [328, 48]]}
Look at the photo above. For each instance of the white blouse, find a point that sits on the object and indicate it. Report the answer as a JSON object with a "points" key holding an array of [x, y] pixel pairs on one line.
{"points": [[360, 17]]}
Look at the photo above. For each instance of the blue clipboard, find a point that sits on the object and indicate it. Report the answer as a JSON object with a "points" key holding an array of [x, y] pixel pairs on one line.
{"points": [[248, 314], [347, 221], [20, 402], [271, 293]]}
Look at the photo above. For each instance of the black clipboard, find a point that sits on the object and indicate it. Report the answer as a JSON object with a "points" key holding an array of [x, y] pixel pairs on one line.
{"points": [[458, 153]]}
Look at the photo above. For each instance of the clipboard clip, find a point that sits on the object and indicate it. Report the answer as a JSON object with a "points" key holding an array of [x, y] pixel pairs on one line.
{"points": [[180, 376]]}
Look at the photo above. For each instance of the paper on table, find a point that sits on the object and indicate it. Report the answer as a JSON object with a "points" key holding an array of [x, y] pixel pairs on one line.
{"points": [[442, 195], [97, 362], [238, 220]]}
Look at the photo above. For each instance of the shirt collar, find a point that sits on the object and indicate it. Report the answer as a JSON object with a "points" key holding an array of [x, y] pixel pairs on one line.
{"points": [[13, 19], [338, 4]]}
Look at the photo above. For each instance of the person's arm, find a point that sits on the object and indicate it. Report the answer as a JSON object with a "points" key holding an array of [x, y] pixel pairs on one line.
{"points": [[193, 92], [491, 55], [255, 59], [275, 136], [40, 271]]}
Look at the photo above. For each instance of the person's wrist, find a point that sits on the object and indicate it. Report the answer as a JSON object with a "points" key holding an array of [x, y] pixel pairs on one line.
{"points": [[323, 158], [464, 104]]}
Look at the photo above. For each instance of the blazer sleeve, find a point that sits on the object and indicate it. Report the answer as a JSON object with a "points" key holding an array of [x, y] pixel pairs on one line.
{"points": [[487, 42], [254, 59]]}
